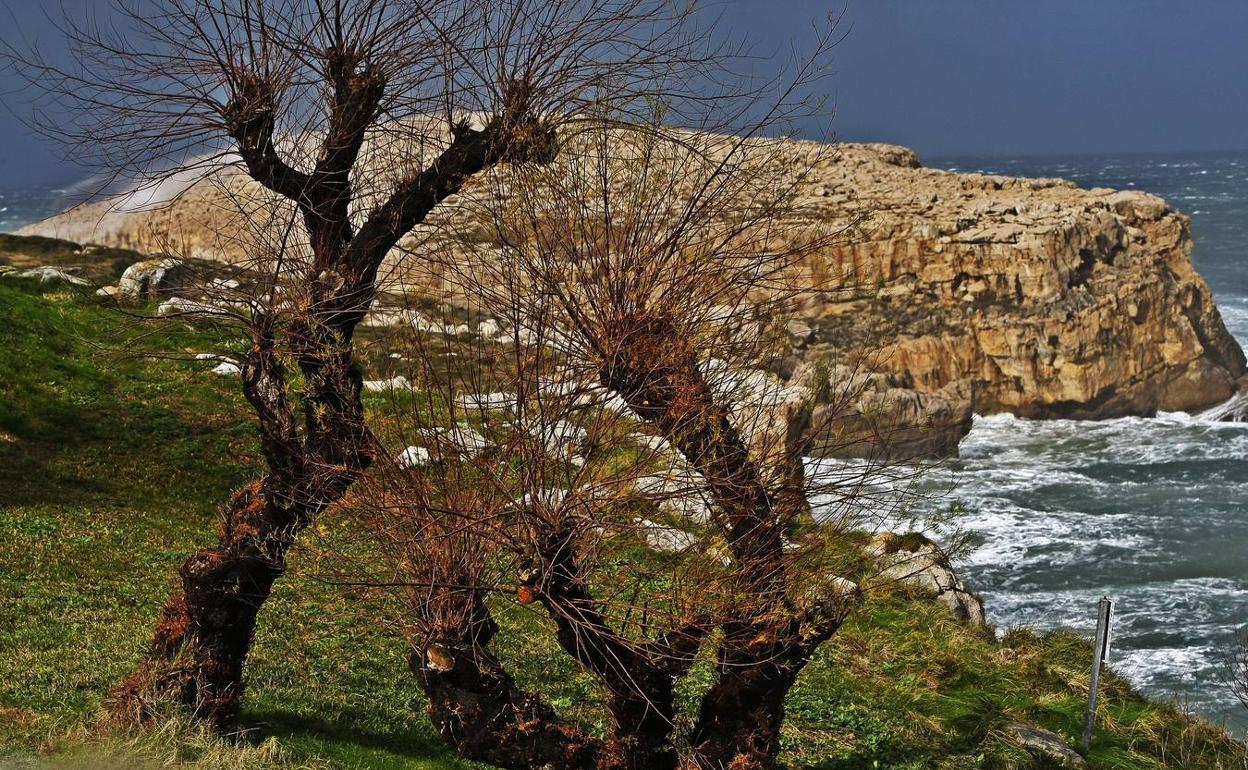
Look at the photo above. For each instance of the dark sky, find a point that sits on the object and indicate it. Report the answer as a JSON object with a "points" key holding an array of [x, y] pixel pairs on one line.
{"points": [[947, 77]]}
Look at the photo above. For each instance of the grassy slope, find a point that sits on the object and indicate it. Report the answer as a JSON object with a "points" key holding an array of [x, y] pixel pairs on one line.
{"points": [[112, 467]]}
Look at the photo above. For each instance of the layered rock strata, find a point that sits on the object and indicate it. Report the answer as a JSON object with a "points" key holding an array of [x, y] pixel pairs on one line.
{"points": [[957, 294]]}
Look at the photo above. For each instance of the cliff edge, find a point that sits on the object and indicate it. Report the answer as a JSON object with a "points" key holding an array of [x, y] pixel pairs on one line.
{"points": [[960, 294]]}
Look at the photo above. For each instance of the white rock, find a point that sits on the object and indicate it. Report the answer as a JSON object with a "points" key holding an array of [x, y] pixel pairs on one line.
{"points": [[398, 382], [424, 325], [926, 569], [152, 278], [461, 439], [486, 401], [560, 439], [590, 394], [799, 331], [679, 495], [545, 498], [489, 328], [414, 457], [179, 306], [214, 357], [48, 274], [665, 539], [382, 317], [837, 587], [106, 291], [656, 444]]}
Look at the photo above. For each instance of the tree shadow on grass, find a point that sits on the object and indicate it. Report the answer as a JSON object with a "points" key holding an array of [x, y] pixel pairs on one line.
{"points": [[345, 736]]}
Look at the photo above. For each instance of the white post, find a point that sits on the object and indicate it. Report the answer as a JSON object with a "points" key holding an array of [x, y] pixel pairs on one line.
{"points": [[1100, 651]]}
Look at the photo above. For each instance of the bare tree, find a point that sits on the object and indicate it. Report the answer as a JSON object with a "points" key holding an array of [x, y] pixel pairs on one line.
{"points": [[309, 98], [622, 272]]}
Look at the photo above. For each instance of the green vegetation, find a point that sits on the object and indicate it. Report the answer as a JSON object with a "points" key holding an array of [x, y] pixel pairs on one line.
{"points": [[112, 467], [98, 263]]}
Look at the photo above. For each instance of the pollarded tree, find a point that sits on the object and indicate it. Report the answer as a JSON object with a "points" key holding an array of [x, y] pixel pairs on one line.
{"points": [[630, 414], [353, 120]]}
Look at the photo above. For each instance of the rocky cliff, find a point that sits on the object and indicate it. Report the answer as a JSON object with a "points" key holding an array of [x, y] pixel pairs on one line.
{"points": [[961, 293]]}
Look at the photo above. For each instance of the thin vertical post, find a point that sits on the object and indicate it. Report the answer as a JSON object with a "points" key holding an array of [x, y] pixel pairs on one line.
{"points": [[1100, 651]]}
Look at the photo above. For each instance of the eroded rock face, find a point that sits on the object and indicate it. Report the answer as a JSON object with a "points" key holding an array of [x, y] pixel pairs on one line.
{"points": [[1031, 296], [960, 293], [859, 413]]}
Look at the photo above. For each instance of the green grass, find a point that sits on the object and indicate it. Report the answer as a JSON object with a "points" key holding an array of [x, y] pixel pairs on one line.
{"points": [[113, 466]]}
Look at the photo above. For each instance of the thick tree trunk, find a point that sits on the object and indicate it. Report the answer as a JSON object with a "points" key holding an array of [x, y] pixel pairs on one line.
{"points": [[203, 636], [477, 707], [655, 370], [642, 728], [206, 628], [205, 631], [765, 645], [740, 717], [639, 677]]}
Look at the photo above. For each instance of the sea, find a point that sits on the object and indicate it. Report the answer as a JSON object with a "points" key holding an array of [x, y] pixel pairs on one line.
{"points": [[20, 206], [1151, 512]]}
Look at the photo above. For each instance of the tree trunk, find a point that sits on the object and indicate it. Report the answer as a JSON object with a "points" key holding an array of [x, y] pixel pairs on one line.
{"points": [[740, 717], [655, 370], [477, 707], [205, 631], [639, 678]]}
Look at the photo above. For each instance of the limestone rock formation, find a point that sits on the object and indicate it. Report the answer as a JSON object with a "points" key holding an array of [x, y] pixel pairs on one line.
{"points": [[46, 274], [913, 560], [152, 278], [958, 293], [1032, 296]]}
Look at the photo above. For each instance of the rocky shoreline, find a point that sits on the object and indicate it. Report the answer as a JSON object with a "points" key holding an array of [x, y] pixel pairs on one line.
{"points": [[961, 294], [992, 294]]}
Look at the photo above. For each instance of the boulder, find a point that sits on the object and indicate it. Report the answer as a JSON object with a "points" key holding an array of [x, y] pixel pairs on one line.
{"points": [[560, 439], [460, 440], [665, 539], [381, 317], [916, 562], [181, 306], [413, 457], [1045, 745], [679, 494], [152, 279], [799, 332], [866, 414]]}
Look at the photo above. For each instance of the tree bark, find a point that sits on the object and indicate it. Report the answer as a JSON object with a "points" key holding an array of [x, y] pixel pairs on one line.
{"points": [[766, 641], [205, 631], [639, 677], [476, 705], [203, 636], [740, 717]]}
